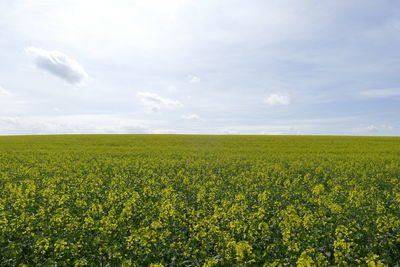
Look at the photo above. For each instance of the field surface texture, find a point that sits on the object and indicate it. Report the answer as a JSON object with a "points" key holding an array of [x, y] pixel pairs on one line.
{"points": [[180, 200]]}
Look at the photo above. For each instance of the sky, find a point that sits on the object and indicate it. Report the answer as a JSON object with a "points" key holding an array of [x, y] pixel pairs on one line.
{"points": [[200, 67]]}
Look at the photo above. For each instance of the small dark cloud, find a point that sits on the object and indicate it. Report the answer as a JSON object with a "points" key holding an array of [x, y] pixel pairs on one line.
{"points": [[59, 65]]}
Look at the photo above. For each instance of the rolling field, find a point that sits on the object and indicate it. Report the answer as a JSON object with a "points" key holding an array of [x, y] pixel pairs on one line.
{"points": [[181, 200]]}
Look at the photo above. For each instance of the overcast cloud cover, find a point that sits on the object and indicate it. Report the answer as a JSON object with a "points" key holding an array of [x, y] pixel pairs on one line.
{"points": [[185, 66]]}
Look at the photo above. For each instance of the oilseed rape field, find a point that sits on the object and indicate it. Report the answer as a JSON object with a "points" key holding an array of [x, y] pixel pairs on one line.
{"points": [[192, 200]]}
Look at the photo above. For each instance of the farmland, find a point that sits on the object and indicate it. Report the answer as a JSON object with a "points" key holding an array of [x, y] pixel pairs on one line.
{"points": [[186, 200]]}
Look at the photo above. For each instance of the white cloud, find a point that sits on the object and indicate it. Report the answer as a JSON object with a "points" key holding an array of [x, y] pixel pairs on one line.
{"points": [[163, 131], [381, 93], [72, 124], [372, 129], [59, 65], [193, 79], [366, 129], [156, 102], [169, 7], [273, 129], [10, 103], [277, 100], [272, 133], [192, 117], [3, 92], [228, 132]]}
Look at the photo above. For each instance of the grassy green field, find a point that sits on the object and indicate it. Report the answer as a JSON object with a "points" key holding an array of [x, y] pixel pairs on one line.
{"points": [[181, 200]]}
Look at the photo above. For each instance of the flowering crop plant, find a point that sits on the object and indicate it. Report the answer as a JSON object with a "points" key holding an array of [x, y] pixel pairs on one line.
{"points": [[187, 200]]}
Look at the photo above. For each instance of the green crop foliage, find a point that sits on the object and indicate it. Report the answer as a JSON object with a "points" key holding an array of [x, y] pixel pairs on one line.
{"points": [[181, 200]]}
